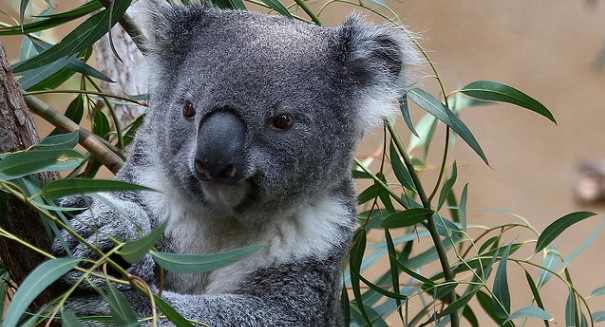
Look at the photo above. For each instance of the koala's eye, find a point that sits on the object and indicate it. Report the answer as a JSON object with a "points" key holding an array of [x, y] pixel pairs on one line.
{"points": [[282, 121], [188, 110]]}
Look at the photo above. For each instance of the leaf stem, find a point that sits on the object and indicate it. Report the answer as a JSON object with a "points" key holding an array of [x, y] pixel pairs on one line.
{"points": [[311, 13], [430, 224]]}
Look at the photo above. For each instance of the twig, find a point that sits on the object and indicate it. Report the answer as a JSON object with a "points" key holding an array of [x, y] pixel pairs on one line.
{"points": [[89, 141]]}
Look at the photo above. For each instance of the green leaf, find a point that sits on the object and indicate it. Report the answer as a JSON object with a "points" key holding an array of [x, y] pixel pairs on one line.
{"points": [[59, 142], [380, 3], [277, 6], [368, 194], [405, 112], [433, 106], [400, 170], [75, 111], [100, 125], [170, 313], [536, 294], [584, 245], [470, 316], [529, 312], [120, 309], [22, 8], [196, 263], [36, 282], [33, 77], [551, 262], [134, 251], [356, 256], [598, 316], [462, 207], [25, 163], [447, 186], [486, 303], [494, 91], [69, 319], [79, 39], [64, 187], [51, 20], [406, 218], [571, 309], [426, 130], [555, 229], [501, 300], [598, 291]]}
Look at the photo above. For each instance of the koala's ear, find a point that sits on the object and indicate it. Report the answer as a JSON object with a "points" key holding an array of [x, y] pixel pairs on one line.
{"points": [[381, 60]]}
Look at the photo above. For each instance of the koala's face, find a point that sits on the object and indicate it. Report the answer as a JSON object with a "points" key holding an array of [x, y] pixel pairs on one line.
{"points": [[251, 111]]}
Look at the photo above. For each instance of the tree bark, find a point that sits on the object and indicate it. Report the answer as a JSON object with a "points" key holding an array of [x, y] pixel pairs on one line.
{"points": [[18, 132]]}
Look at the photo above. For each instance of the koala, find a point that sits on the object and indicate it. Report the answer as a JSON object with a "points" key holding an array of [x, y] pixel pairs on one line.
{"points": [[252, 125]]}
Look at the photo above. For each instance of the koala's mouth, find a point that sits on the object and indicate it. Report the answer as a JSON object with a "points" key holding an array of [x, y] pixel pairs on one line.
{"points": [[225, 195]]}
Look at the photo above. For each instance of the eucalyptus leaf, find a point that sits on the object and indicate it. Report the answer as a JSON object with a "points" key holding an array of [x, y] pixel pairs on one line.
{"points": [[170, 313], [120, 309], [598, 316], [405, 113], [571, 309], [196, 263], [74, 111], [51, 21], [35, 283], [409, 217], [79, 39], [277, 6], [69, 319], [529, 312], [25, 163], [495, 91], [501, 300], [559, 226], [134, 251], [447, 186], [64, 187], [59, 142], [433, 106]]}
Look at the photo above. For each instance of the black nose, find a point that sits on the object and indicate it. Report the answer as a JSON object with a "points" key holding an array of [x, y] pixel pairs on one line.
{"points": [[220, 148]]}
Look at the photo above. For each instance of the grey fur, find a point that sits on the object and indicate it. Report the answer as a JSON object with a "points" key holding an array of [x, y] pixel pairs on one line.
{"points": [[293, 190]]}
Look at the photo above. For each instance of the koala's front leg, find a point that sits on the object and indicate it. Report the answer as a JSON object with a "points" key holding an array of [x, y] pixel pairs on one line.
{"points": [[123, 220]]}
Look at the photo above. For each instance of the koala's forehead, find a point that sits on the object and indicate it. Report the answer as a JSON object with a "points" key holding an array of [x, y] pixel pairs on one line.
{"points": [[240, 49]]}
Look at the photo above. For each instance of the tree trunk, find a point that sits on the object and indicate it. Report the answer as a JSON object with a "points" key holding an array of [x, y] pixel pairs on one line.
{"points": [[18, 132]]}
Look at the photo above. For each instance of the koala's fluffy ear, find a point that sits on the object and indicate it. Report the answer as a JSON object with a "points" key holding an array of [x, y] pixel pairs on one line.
{"points": [[381, 61]]}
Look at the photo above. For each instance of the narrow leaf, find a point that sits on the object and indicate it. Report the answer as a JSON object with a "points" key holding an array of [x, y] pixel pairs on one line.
{"points": [[120, 309], [598, 291], [59, 142], [529, 312], [447, 186], [470, 316], [196, 263], [486, 303], [555, 229], [598, 316], [400, 170], [134, 251], [25, 163], [69, 319], [170, 313], [571, 310], [35, 283], [51, 20], [74, 111], [64, 187], [551, 262], [80, 38], [33, 77], [501, 291], [405, 112], [535, 293], [584, 245], [433, 106], [100, 125], [494, 91], [277, 6], [356, 255], [406, 218]]}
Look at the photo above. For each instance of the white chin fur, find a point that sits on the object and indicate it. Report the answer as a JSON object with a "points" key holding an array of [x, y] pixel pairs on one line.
{"points": [[225, 195]]}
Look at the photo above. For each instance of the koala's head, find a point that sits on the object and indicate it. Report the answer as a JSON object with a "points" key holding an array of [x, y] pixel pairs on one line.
{"points": [[251, 110]]}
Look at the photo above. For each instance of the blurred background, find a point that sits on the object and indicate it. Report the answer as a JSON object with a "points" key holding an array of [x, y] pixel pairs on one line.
{"points": [[549, 50]]}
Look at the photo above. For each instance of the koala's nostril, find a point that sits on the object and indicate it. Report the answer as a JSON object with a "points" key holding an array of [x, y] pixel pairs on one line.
{"points": [[202, 171], [230, 171]]}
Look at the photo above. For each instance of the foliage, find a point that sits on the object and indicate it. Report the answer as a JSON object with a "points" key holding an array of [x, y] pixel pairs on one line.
{"points": [[397, 209]]}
